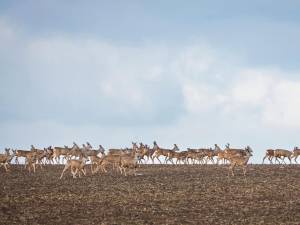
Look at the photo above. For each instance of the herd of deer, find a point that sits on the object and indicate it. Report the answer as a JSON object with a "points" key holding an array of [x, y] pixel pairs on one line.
{"points": [[123, 160]]}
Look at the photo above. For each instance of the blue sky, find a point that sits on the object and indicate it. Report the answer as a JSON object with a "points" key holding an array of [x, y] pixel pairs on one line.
{"points": [[111, 72]]}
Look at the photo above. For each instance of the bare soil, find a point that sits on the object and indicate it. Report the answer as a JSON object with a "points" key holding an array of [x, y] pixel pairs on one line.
{"points": [[161, 194]]}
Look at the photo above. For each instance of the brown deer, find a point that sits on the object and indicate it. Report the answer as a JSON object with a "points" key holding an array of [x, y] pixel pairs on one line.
{"points": [[40, 155], [192, 154], [107, 160], [180, 157], [239, 160], [296, 153], [129, 161], [282, 154], [6, 158], [236, 151], [49, 154], [60, 151], [76, 166], [95, 156], [21, 153], [270, 154], [163, 152], [76, 151], [30, 162], [145, 151], [221, 156]]}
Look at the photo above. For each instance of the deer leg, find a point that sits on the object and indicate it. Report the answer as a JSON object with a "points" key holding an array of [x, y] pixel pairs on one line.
{"points": [[152, 159], [97, 168], [231, 167], [229, 170], [6, 169], [270, 159], [244, 170], [171, 161], [26, 162], [74, 172], [83, 171], [134, 171], [40, 163], [92, 170], [166, 159], [158, 159], [66, 167], [104, 169]]}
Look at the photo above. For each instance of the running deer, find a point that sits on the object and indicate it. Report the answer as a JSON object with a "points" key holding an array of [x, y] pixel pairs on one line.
{"points": [[270, 154], [76, 166], [296, 153], [60, 151], [239, 160], [163, 152], [6, 158], [129, 161], [282, 154]]}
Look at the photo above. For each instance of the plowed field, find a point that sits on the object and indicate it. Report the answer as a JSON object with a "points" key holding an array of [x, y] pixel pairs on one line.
{"points": [[183, 194]]}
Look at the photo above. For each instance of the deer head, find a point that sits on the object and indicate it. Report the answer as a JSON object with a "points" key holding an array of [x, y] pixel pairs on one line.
{"points": [[175, 148], [89, 145]]}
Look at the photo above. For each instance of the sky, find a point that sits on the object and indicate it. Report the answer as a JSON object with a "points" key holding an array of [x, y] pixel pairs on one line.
{"points": [[192, 73]]}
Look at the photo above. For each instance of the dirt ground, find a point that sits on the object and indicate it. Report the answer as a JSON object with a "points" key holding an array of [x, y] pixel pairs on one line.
{"points": [[194, 194]]}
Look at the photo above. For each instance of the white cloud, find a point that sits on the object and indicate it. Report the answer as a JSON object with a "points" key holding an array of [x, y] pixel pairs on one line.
{"points": [[93, 88], [264, 92], [283, 105]]}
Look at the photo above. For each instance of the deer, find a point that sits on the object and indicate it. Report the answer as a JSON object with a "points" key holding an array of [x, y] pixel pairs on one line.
{"points": [[296, 153], [220, 154], [40, 155], [49, 155], [144, 151], [171, 154], [30, 162], [6, 158], [60, 151], [208, 154], [165, 152], [239, 160], [21, 153], [76, 151], [180, 157], [76, 166], [95, 155], [278, 153], [129, 161], [270, 154], [106, 160], [236, 151], [192, 154]]}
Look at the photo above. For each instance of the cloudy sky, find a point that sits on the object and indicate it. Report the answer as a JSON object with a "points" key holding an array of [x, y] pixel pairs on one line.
{"points": [[193, 73]]}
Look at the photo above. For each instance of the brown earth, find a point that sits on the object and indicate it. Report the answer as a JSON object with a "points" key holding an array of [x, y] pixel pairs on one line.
{"points": [[195, 194]]}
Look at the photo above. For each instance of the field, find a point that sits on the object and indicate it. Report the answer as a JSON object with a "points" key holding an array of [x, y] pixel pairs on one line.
{"points": [[160, 194]]}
